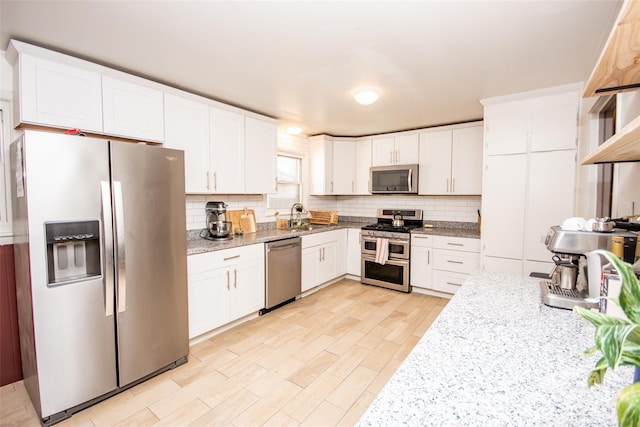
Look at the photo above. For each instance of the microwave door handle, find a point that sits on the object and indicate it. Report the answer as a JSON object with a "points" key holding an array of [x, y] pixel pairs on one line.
{"points": [[409, 179]]}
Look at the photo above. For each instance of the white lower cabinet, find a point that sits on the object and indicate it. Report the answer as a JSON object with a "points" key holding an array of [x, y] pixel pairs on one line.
{"points": [[442, 263], [320, 257], [353, 251], [454, 258], [421, 260], [224, 286]]}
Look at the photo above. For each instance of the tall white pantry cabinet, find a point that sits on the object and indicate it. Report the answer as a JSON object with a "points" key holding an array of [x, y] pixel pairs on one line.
{"points": [[529, 176]]}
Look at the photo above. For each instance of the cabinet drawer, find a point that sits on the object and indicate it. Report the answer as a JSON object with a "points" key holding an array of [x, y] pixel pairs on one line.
{"points": [[456, 261], [457, 243], [210, 260], [445, 281], [319, 238], [422, 240]]}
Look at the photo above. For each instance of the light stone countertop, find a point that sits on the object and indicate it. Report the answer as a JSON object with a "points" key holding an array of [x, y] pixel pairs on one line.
{"points": [[496, 356], [196, 244]]}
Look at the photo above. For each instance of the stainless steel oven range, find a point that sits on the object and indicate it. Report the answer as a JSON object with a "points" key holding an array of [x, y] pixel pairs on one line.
{"points": [[388, 266]]}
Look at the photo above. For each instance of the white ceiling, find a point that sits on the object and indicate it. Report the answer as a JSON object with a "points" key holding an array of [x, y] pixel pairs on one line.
{"points": [[301, 61]]}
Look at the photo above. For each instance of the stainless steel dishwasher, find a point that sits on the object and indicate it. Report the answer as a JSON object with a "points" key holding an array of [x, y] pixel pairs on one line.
{"points": [[283, 272]]}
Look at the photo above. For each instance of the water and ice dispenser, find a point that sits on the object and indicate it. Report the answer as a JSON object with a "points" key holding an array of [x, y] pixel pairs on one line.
{"points": [[73, 251]]}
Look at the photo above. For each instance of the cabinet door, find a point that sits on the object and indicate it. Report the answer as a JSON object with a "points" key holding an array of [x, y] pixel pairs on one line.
{"points": [[260, 156], [227, 151], [353, 251], [247, 291], [363, 163], [328, 267], [383, 151], [551, 198], [208, 295], [466, 161], [507, 127], [321, 153], [421, 266], [310, 264], [344, 163], [59, 95], [434, 173], [132, 110], [341, 251], [187, 129], [406, 149], [554, 122], [503, 200]]}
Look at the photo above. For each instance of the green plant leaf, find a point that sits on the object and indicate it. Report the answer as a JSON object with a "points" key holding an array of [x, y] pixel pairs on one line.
{"points": [[629, 299], [596, 376], [628, 406]]}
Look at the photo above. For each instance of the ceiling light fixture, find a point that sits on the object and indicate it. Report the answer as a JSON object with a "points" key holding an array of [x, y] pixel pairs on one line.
{"points": [[294, 130], [366, 97]]}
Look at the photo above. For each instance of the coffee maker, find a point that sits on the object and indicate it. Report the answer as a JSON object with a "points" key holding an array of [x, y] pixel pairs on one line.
{"points": [[575, 279], [218, 228]]}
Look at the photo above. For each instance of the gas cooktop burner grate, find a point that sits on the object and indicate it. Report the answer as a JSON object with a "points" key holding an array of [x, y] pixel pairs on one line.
{"points": [[388, 227]]}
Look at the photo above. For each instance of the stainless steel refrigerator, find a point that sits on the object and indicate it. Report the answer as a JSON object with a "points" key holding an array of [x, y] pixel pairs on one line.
{"points": [[101, 268]]}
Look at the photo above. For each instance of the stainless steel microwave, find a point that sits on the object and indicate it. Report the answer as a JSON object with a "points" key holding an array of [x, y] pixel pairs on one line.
{"points": [[393, 179]]}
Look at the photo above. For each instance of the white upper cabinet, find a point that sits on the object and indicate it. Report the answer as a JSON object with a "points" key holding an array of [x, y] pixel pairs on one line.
{"points": [[321, 152], [227, 151], [56, 94], [363, 163], [339, 166], [451, 161], [538, 124], [132, 110], [395, 150], [260, 156], [187, 129], [344, 163]]}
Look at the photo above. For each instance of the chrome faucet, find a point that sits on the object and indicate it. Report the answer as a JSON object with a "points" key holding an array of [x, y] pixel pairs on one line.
{"points": [[297, 207]]}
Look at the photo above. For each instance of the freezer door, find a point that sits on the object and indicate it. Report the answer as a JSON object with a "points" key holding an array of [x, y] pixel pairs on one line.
{"points": [[68, 352], [151, 258]]}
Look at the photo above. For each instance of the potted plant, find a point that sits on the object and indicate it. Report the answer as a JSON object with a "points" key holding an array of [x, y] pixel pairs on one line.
{"points": [[619, 340]]}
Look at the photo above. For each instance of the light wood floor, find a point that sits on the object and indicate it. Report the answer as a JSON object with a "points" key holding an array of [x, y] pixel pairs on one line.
{"points": [[319, 361]]}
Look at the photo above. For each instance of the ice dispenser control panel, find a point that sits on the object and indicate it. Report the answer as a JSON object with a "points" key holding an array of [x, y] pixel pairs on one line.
{"points": [[73, 251]]}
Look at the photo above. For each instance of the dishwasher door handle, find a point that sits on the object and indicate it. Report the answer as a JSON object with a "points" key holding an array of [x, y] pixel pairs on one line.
{"points": [[279, 248]]}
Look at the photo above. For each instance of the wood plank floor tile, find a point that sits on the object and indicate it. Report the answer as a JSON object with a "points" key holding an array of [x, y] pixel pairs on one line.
{"points": [[352, 387], [141, 418], [327, 414], [265, 408], [271, 380], [227, 410], [311, 370], [232, 385], [181, 397], [318, 361]]}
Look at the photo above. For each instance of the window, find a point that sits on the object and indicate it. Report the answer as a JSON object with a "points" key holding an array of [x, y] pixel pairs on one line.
{"points": [[289, 184]]}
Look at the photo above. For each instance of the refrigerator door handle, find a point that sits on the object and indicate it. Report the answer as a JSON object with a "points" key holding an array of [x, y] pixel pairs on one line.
{"points": [[107, 247], [121, 278]]}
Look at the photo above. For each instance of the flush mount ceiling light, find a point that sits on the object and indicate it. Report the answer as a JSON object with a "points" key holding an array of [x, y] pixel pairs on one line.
{"points": [[366, 97], [294, 130]]}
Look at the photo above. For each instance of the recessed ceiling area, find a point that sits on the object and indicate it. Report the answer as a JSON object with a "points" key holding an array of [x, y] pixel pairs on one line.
{"points": [[302, 62]]}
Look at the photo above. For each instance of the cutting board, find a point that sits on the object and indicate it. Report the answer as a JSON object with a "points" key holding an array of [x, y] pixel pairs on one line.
{"points": [[245, 224], [248, 221]]}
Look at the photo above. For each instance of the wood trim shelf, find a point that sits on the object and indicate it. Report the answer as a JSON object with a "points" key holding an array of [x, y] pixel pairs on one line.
{"points": [[618, 68], [624, 146]]}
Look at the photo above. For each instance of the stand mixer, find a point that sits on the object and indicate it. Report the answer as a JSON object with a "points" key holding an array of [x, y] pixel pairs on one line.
{"points": [[218, 228], [575, 279]]}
